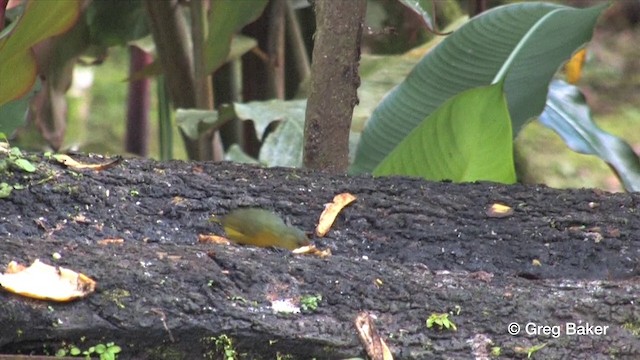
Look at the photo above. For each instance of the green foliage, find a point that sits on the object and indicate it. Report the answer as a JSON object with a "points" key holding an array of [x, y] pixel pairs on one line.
{"points": [[114, 23], [441, 320], [533, 349], [457, 143], [13, 113], [224, 346], [478, 54], [108, 351], [13, 159], [282, 147], [496, 351], [568, 114], [226, 18], [39, 20], [310, 302]]}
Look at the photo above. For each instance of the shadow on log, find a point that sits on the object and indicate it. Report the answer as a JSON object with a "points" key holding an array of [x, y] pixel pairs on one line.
{"points": [[566, 260]]}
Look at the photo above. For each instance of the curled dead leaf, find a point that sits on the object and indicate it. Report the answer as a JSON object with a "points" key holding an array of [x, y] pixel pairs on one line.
{"points": [[331, 211], [46, 282], [68, 161]]}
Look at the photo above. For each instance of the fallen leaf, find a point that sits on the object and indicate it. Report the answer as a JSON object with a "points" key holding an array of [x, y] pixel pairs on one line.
{"points": [[109, 241], [81, 219], [499, 211], [213, 239], [68, 161], [536, 262], [374, 345], [46, 282], [312, 250], [331, 211]]}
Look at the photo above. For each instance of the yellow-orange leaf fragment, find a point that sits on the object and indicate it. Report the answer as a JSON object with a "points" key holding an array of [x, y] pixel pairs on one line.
{"points": [[213, 239], [312, 250], [111, 241], [574, 66], [499, 211], [68, 161], [331, 211], [536, 262], [373, 343], [46, 282]]}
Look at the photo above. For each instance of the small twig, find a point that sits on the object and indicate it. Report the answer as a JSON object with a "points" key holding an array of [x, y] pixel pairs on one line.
{"points": [[163, 318]]}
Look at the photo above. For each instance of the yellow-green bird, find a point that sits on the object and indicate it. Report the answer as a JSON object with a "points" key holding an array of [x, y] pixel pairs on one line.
{"points": [[258, 227]]}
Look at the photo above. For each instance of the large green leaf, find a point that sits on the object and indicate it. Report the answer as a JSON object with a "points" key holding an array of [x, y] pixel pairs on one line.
{"points": [[456, 144], [568, 114], [226, 17], [113, 23], [40, 20], [263, 113], [283, 147], [534, 39]]}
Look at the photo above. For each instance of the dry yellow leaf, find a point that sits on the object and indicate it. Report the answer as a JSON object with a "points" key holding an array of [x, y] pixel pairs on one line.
{"points": [[68, 161], [110, 241], [331, 211], [46, 282], [213, 239], [499, 211], [536, 262], [312, 250]]}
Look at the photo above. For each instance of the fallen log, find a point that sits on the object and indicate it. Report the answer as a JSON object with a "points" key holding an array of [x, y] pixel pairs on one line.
{"points": [[563, 267]]}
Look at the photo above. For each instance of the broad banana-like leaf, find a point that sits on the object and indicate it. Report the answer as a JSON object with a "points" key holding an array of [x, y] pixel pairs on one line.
{"points": [[456, 144], [523, 43], [568, 114], [40, 20]]}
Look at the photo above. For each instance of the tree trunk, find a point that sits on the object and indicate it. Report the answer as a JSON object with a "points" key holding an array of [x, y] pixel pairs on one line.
{"points": [[334, 84]]}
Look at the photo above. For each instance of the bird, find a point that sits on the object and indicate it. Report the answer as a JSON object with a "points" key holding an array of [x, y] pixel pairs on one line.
{"points": [[259, 227]]}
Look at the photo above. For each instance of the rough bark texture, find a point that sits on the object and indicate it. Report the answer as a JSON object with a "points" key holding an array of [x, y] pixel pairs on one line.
{"points": [[404, 250], [334, 84]]}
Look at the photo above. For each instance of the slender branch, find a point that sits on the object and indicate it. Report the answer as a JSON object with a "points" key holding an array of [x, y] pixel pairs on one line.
{"points": [[173, 46], [275, 45], [301, 61]]}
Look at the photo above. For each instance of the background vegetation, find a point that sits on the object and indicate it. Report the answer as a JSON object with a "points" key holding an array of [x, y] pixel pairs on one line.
{"points": [[610, 81]]}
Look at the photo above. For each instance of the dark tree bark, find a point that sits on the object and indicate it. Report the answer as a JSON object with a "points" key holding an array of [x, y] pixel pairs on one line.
{"points": [[406, 249], [334, 84], [138, 102]]}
